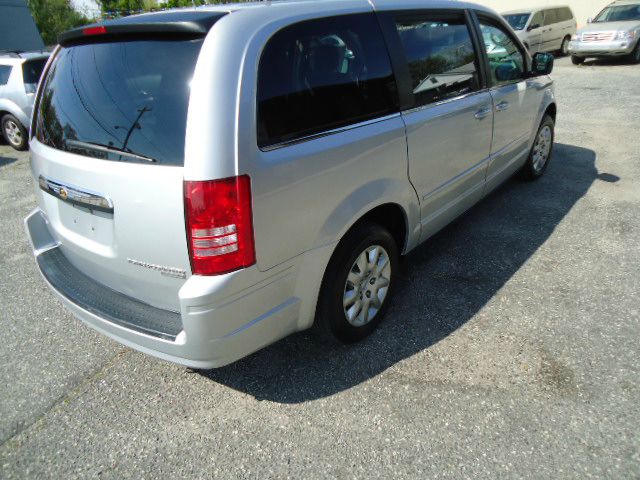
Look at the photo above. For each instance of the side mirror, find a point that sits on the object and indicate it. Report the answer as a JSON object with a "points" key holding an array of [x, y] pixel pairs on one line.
{"points": [[590, 20], [542, 64], [533, 27]]}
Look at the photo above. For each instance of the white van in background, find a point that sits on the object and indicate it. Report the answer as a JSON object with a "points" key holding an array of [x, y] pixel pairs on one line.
{"points": [[545, 29]]}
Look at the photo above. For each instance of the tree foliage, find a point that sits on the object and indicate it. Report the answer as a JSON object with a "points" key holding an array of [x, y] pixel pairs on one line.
{"points": [[54, 17], [190, 3], [126, 7]]}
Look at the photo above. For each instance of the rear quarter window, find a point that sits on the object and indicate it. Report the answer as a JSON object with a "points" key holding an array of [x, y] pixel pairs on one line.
{"points": [[323, 74], [5, 72], [123, 101], [32, 70]]}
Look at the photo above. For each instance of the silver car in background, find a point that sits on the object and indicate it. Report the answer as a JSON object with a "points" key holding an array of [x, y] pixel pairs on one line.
{"points": [[615, 32], [546, 29], [19, 75], [211, 180]]}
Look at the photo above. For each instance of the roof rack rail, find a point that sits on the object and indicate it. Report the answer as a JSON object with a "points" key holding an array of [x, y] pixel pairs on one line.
{"points": [[11, 53]]}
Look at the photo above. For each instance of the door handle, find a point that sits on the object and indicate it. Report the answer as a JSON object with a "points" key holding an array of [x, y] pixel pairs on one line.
{"points": [[502, 106], [482, 113]]}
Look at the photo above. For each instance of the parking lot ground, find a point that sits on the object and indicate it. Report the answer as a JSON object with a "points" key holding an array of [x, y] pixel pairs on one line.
{"points": [[512, 348]]}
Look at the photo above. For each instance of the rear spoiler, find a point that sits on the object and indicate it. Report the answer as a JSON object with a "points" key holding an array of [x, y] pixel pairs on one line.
{"points": [[170, 24]]}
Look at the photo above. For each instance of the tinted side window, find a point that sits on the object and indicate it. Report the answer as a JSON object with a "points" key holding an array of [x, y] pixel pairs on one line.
{"points": [[441, 57], [550, 17], [323, 74], [5, 72], [506, 61], [564, 14], [32, 70], [537, 20]]}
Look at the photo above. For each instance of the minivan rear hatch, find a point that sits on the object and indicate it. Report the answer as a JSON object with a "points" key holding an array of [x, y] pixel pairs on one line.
{"points": [[108, 152]]}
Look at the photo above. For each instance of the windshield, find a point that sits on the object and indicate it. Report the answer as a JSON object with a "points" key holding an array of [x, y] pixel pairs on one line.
{"points": [[122, 101], [621, 13], [517, 20]]}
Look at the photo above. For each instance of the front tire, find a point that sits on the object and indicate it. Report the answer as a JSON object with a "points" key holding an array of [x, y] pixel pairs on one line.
{"points": [[577, 60], [14, 133], [541, 152], [634, 58], [358, 285], [564, 48]]}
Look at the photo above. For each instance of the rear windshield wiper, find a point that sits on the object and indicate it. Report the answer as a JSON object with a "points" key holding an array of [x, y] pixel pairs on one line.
{"points": [[104, 148]]}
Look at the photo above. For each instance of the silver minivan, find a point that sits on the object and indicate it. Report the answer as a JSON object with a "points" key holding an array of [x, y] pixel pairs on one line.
{"points": [[547, 29], [211, 180]]}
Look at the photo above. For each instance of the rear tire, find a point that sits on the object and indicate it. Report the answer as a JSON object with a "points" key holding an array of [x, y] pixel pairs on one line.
{"points": [[577, 60], [14, 133], [541, 152], [358, 285]]}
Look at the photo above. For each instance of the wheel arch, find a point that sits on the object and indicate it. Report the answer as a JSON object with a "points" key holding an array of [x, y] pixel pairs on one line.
{"points": [[552, 111], [7, 107], [391, 215]]}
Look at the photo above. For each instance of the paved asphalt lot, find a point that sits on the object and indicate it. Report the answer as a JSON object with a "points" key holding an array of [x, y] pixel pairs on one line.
{"points": [[512, 348]]}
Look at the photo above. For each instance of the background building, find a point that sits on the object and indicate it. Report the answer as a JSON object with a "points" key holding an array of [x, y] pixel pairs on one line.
{"points": [[17, 28], [582, 9]]}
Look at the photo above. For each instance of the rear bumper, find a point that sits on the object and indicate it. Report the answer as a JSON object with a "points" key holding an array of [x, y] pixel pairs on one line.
{"points": [[600, 49], [208, 332]]}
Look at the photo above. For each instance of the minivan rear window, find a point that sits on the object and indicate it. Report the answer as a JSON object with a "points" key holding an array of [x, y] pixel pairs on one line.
{"points": [[123, 101]]}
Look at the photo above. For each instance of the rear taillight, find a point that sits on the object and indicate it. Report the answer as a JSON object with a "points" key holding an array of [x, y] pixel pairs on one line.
{"points": [[219, 225]]}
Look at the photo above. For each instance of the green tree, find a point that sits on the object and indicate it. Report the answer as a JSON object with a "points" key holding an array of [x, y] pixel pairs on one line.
{"points": [[122, 7], [115, 8], [180, 3], [54, 17], [189, 3]]}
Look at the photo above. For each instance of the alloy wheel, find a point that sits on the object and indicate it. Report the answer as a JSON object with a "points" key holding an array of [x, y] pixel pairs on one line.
{"points": [[13, 133], [542, 148], [367, 285]]}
